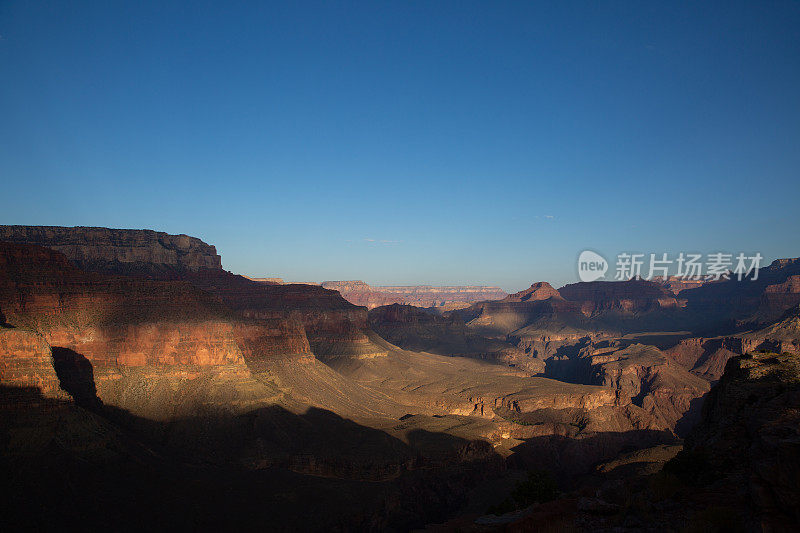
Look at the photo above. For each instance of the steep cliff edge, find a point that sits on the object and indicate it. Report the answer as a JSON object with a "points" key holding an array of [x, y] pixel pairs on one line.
{"points": [[750, 436]]}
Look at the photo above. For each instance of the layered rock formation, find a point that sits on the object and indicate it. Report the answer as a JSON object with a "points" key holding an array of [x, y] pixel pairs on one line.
{"points": [[27, 362], [781, 337], [542, 315], [119, 250], [640, 374], [633, 296], [333, 326], [156, 348]]}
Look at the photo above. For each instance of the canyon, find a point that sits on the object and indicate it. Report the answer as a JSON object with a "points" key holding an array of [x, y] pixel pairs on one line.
{"points": [[132, 354]]}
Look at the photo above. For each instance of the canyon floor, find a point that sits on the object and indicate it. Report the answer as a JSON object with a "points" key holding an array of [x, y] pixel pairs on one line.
{"points": [[143, 386]]}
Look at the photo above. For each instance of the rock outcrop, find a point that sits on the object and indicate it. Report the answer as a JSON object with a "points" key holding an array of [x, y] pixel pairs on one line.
{"points": [[750, 436], [155, 348], [639, 374], [27, 362], [332, 325], [705, 357], [196, 365]]}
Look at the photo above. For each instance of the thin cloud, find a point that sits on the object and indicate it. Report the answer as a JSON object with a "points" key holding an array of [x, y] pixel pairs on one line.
{"points": [[384, 242]]}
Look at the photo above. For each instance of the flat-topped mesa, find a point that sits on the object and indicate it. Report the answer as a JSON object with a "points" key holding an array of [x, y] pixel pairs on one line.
{"points": [[451, 297], [121, 251], [269, 281], [347, 286]]}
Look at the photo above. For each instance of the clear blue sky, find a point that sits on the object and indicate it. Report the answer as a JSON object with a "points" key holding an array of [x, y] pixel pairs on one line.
{"points": [[481, 142]]}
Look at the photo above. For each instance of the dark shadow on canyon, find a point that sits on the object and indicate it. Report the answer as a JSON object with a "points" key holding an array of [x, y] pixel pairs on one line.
{"points": [[71, 468], [89, 465], [76, 376], [3, 323], [691, 417], [568, 458]]}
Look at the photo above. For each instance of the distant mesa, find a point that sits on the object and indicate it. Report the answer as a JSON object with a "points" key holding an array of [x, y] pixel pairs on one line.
{"points": [[445, 298], [271, 281], [281, 281], [678, 284]]}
